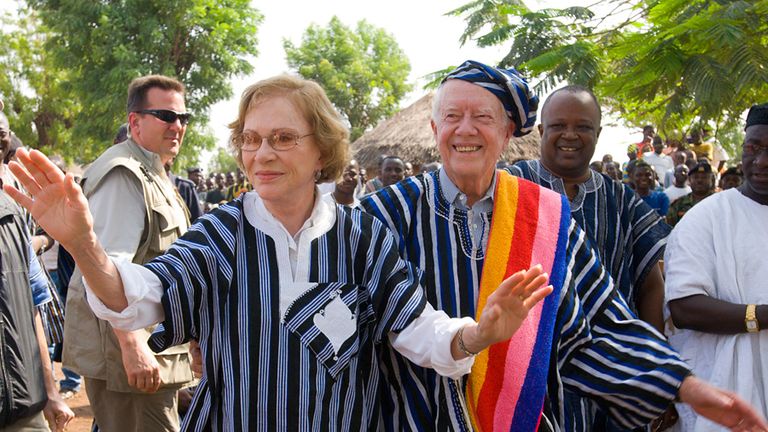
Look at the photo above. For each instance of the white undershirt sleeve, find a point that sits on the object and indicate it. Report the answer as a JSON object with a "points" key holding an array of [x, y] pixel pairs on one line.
{"points": [[427, 342], [144, 293]]}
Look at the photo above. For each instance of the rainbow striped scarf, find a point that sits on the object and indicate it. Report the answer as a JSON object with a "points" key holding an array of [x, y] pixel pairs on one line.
{"points": [[506, 387]]}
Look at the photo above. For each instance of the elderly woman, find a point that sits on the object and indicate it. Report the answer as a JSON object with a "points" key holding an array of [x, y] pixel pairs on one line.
{"points": [[287, 293]]}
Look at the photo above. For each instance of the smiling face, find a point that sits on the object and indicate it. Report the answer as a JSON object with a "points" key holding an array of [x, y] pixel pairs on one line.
{"points": [[570, 126], [281, 177], [642, 177], [154, 134], [471, 130]]}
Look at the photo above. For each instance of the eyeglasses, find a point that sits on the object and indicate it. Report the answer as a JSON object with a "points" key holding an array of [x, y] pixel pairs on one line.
{"points": [[5, 132], [279, 140], [753, 148], [168, 116]]}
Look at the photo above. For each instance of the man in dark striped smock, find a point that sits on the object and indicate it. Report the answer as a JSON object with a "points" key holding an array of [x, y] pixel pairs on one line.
{"points": [[627, 234], [442, 222], [592, 329]]}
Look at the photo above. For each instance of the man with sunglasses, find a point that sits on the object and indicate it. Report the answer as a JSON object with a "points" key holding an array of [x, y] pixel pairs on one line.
{"points": [[137, 215], [716, 279]]}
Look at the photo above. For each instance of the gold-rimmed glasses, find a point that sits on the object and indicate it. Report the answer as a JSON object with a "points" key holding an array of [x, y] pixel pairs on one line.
{"points": [[279, 140]]}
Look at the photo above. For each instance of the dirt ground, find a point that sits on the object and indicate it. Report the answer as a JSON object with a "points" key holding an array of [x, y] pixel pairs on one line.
{"points": [[83, 415], [81, 406]]}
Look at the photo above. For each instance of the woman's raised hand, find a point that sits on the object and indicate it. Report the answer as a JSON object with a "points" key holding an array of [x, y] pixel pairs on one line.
{"points": [[54, 199]]}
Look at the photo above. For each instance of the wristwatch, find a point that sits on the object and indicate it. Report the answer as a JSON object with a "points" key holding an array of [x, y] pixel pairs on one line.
{"points": [[750, 320]]}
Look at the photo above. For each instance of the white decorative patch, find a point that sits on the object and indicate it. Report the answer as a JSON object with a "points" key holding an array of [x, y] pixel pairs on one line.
{"points": [[336, 322]]}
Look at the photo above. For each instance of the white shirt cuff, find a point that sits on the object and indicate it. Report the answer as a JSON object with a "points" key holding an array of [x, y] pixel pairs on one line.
{"points": [[427, 342], [144, 293]]}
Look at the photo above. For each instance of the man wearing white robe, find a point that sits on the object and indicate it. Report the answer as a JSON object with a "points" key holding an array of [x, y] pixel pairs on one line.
{"points": [[716, 282]]}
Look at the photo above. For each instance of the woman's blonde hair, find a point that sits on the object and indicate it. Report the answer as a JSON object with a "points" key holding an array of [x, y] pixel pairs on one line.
{"points": [[329, 131]]}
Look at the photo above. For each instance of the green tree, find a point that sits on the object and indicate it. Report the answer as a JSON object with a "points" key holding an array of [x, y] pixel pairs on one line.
{"points": [[40, 111], [363, 71], [103, 45], [675, 63]]}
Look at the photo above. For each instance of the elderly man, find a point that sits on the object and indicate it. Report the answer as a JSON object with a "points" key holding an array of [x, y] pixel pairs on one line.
{"points": [[467, 225], [716, 275], [137, 214]]}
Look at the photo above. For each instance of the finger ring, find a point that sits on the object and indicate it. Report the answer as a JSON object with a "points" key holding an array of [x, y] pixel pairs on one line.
{"points": [[522, 299], [740, 422]]}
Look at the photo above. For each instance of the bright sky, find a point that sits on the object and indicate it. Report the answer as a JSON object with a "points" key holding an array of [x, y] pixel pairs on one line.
{"points": [[429, 39]]}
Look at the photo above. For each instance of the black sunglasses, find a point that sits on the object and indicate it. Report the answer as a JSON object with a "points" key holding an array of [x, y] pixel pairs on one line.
{"points": [[167, 116]]}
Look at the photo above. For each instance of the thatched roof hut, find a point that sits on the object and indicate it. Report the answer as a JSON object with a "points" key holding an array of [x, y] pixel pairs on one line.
{"points": [[407, 134]]}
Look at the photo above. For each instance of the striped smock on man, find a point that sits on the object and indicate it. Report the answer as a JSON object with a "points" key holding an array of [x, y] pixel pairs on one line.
{"points": [[600, 349], [628, 236]]}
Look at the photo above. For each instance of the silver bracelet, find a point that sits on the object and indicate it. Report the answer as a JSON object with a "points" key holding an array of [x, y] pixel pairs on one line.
{"points": [[463, 347]]}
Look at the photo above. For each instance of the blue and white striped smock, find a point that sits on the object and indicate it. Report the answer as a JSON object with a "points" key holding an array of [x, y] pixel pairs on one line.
{"points": [[600, 350], [627, 234], [264, 373]]}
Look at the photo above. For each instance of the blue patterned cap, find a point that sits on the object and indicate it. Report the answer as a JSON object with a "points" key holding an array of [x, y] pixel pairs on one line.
{"points": [[506, 84]]}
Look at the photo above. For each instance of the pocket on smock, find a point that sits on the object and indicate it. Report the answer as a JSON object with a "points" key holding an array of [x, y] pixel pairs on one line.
{"points": [[332, 320]]}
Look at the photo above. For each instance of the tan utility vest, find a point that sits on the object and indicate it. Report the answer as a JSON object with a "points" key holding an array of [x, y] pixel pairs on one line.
{"points": [[91, 347]]}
